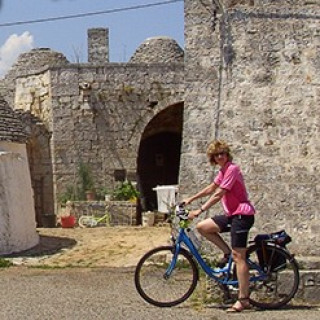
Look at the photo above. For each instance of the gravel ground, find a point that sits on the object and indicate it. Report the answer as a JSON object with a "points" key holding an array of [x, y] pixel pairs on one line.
{"points": [[50, 282], [103, 293]]}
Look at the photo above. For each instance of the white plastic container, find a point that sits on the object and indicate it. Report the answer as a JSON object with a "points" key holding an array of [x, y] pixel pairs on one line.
{"points": [[148, 219]]}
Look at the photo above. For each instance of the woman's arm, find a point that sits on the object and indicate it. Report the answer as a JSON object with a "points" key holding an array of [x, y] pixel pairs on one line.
{"points": [[203, 193], [216, 197]]}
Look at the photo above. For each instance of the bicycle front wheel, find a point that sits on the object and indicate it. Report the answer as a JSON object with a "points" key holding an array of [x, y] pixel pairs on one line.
{"points": [[278, 272], [87, 222], [159, 288]]}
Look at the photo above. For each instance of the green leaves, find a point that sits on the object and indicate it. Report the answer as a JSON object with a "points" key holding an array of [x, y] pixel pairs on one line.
{"points": [[126, 191]]}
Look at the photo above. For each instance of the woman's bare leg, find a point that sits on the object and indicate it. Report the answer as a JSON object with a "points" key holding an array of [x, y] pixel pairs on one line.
{"points": [[239, 257], [210, 230]]}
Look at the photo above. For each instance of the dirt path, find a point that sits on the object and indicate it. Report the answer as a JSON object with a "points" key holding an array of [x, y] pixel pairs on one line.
{"points": [[96, 247]]}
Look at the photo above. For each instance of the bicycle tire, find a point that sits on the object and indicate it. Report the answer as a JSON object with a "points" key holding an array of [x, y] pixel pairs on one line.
{"points": [[281, 277], [86, 222], [155, 288]]}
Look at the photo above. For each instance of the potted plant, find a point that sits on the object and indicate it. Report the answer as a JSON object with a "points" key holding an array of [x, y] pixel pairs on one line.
{"points": [[87, 190], [126, 191], [103, 194]]}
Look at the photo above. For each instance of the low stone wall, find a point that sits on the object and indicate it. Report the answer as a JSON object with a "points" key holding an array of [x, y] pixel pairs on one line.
{"points": [[123, 213]]}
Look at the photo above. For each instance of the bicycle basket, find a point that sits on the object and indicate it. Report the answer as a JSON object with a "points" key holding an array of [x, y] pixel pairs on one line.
{"points": [[268, 258]]}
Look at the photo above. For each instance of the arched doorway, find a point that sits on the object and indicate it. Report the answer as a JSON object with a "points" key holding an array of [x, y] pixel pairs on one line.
{"points": [[40, 163], [159, 154]]}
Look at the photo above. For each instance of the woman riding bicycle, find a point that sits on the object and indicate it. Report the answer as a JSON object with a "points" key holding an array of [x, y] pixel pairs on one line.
{"points": [[229, 188]]}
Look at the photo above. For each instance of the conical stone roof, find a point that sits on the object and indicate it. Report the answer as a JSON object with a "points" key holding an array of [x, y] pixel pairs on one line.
{"points": [[35, 60], [158, 50], [11, 127]]}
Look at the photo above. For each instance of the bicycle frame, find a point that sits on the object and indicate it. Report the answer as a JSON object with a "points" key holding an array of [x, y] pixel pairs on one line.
{"points": [[95, 220], [104, 217], [216, 273]]}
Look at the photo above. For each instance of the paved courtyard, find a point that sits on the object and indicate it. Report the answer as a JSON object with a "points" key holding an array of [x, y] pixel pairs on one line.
{"points": [[43, 286]]}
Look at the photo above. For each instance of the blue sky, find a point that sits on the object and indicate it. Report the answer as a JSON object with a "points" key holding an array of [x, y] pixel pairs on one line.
{"points": [[127, 29]]}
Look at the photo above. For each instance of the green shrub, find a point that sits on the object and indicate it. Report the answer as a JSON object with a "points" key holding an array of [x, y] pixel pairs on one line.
{"points": [[71, 194], [4, 263], [102, 192], [86, 180], [77, 192], [125, 191]]}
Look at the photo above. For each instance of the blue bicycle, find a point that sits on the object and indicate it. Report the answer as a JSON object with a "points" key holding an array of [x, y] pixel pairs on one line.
{"points": [[167, 276]]}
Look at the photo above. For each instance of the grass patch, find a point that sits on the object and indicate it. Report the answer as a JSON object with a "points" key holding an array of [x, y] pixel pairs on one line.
{"points": [[5, 263], [202, 295]]}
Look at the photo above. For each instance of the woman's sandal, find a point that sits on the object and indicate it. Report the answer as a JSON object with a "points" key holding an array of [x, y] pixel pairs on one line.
{"points": [[240, 305]]}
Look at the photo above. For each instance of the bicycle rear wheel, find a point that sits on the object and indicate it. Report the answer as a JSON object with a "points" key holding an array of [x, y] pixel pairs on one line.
{"points": [[279, 274], [160, 289], [87, 222]]}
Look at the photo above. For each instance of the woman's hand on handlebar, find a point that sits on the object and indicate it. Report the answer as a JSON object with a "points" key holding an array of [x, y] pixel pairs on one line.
{"points": [[187, 201], [193, 214]]}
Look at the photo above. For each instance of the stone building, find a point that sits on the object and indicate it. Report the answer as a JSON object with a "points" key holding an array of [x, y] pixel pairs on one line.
{"points": [[122, 119], [17, 213], [249, 75], [252, 78]]}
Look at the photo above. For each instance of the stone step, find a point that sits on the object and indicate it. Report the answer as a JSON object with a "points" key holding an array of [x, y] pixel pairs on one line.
{"points": [[309, 288], [308, 262]]}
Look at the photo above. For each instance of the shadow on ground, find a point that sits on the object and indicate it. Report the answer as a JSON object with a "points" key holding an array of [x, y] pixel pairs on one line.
{"points": [[48, 245], [299, 306]]}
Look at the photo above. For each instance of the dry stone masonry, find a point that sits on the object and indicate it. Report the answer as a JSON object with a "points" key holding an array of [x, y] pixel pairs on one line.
{"points": [[249, 74], [158, 50], [252, 73], [252, 78], [99, 113], [98, 45]]}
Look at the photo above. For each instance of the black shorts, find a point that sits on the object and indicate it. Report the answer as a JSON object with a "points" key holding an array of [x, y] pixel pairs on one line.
{"points": [[239, 225]]}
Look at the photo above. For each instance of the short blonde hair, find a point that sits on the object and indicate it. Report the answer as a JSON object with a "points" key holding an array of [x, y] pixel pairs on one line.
{"points": [[217, 146]]}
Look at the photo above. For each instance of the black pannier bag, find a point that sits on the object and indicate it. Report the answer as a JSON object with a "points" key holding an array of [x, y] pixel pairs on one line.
{"points": [[267, 256]]}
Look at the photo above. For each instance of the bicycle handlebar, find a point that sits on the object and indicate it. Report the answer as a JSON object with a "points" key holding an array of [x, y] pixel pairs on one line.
{"points": [[181, 212]]}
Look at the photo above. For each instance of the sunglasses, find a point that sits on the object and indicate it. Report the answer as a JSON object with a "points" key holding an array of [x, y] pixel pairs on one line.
{"points": [[222, 153], [215, 155]]}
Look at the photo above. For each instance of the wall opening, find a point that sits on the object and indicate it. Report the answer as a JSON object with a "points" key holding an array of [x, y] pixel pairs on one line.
{"points": [[40, 163], [159, 154]]}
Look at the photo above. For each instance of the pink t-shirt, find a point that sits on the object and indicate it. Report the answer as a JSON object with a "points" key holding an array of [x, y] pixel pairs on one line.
{"points": [[235, 201]]}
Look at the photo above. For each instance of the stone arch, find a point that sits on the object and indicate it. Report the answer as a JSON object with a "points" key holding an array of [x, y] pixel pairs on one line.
{"points": [[40, 165], [159, 152]]}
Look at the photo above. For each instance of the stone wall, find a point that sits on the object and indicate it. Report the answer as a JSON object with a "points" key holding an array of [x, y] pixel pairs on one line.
{"points": [[121, 213], [33, 101], [105, 119], [98, 45], [95, 115], [253, 69], [251, 76], [32, 94], [32, 62]]}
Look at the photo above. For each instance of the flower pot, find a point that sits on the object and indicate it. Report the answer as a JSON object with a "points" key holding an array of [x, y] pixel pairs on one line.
{"points": [[68, 221], [90, 195], [107, 197]]}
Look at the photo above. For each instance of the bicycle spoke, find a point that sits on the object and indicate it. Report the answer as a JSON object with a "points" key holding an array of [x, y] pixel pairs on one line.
{"points": [[279, 277], [156, 286]]}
